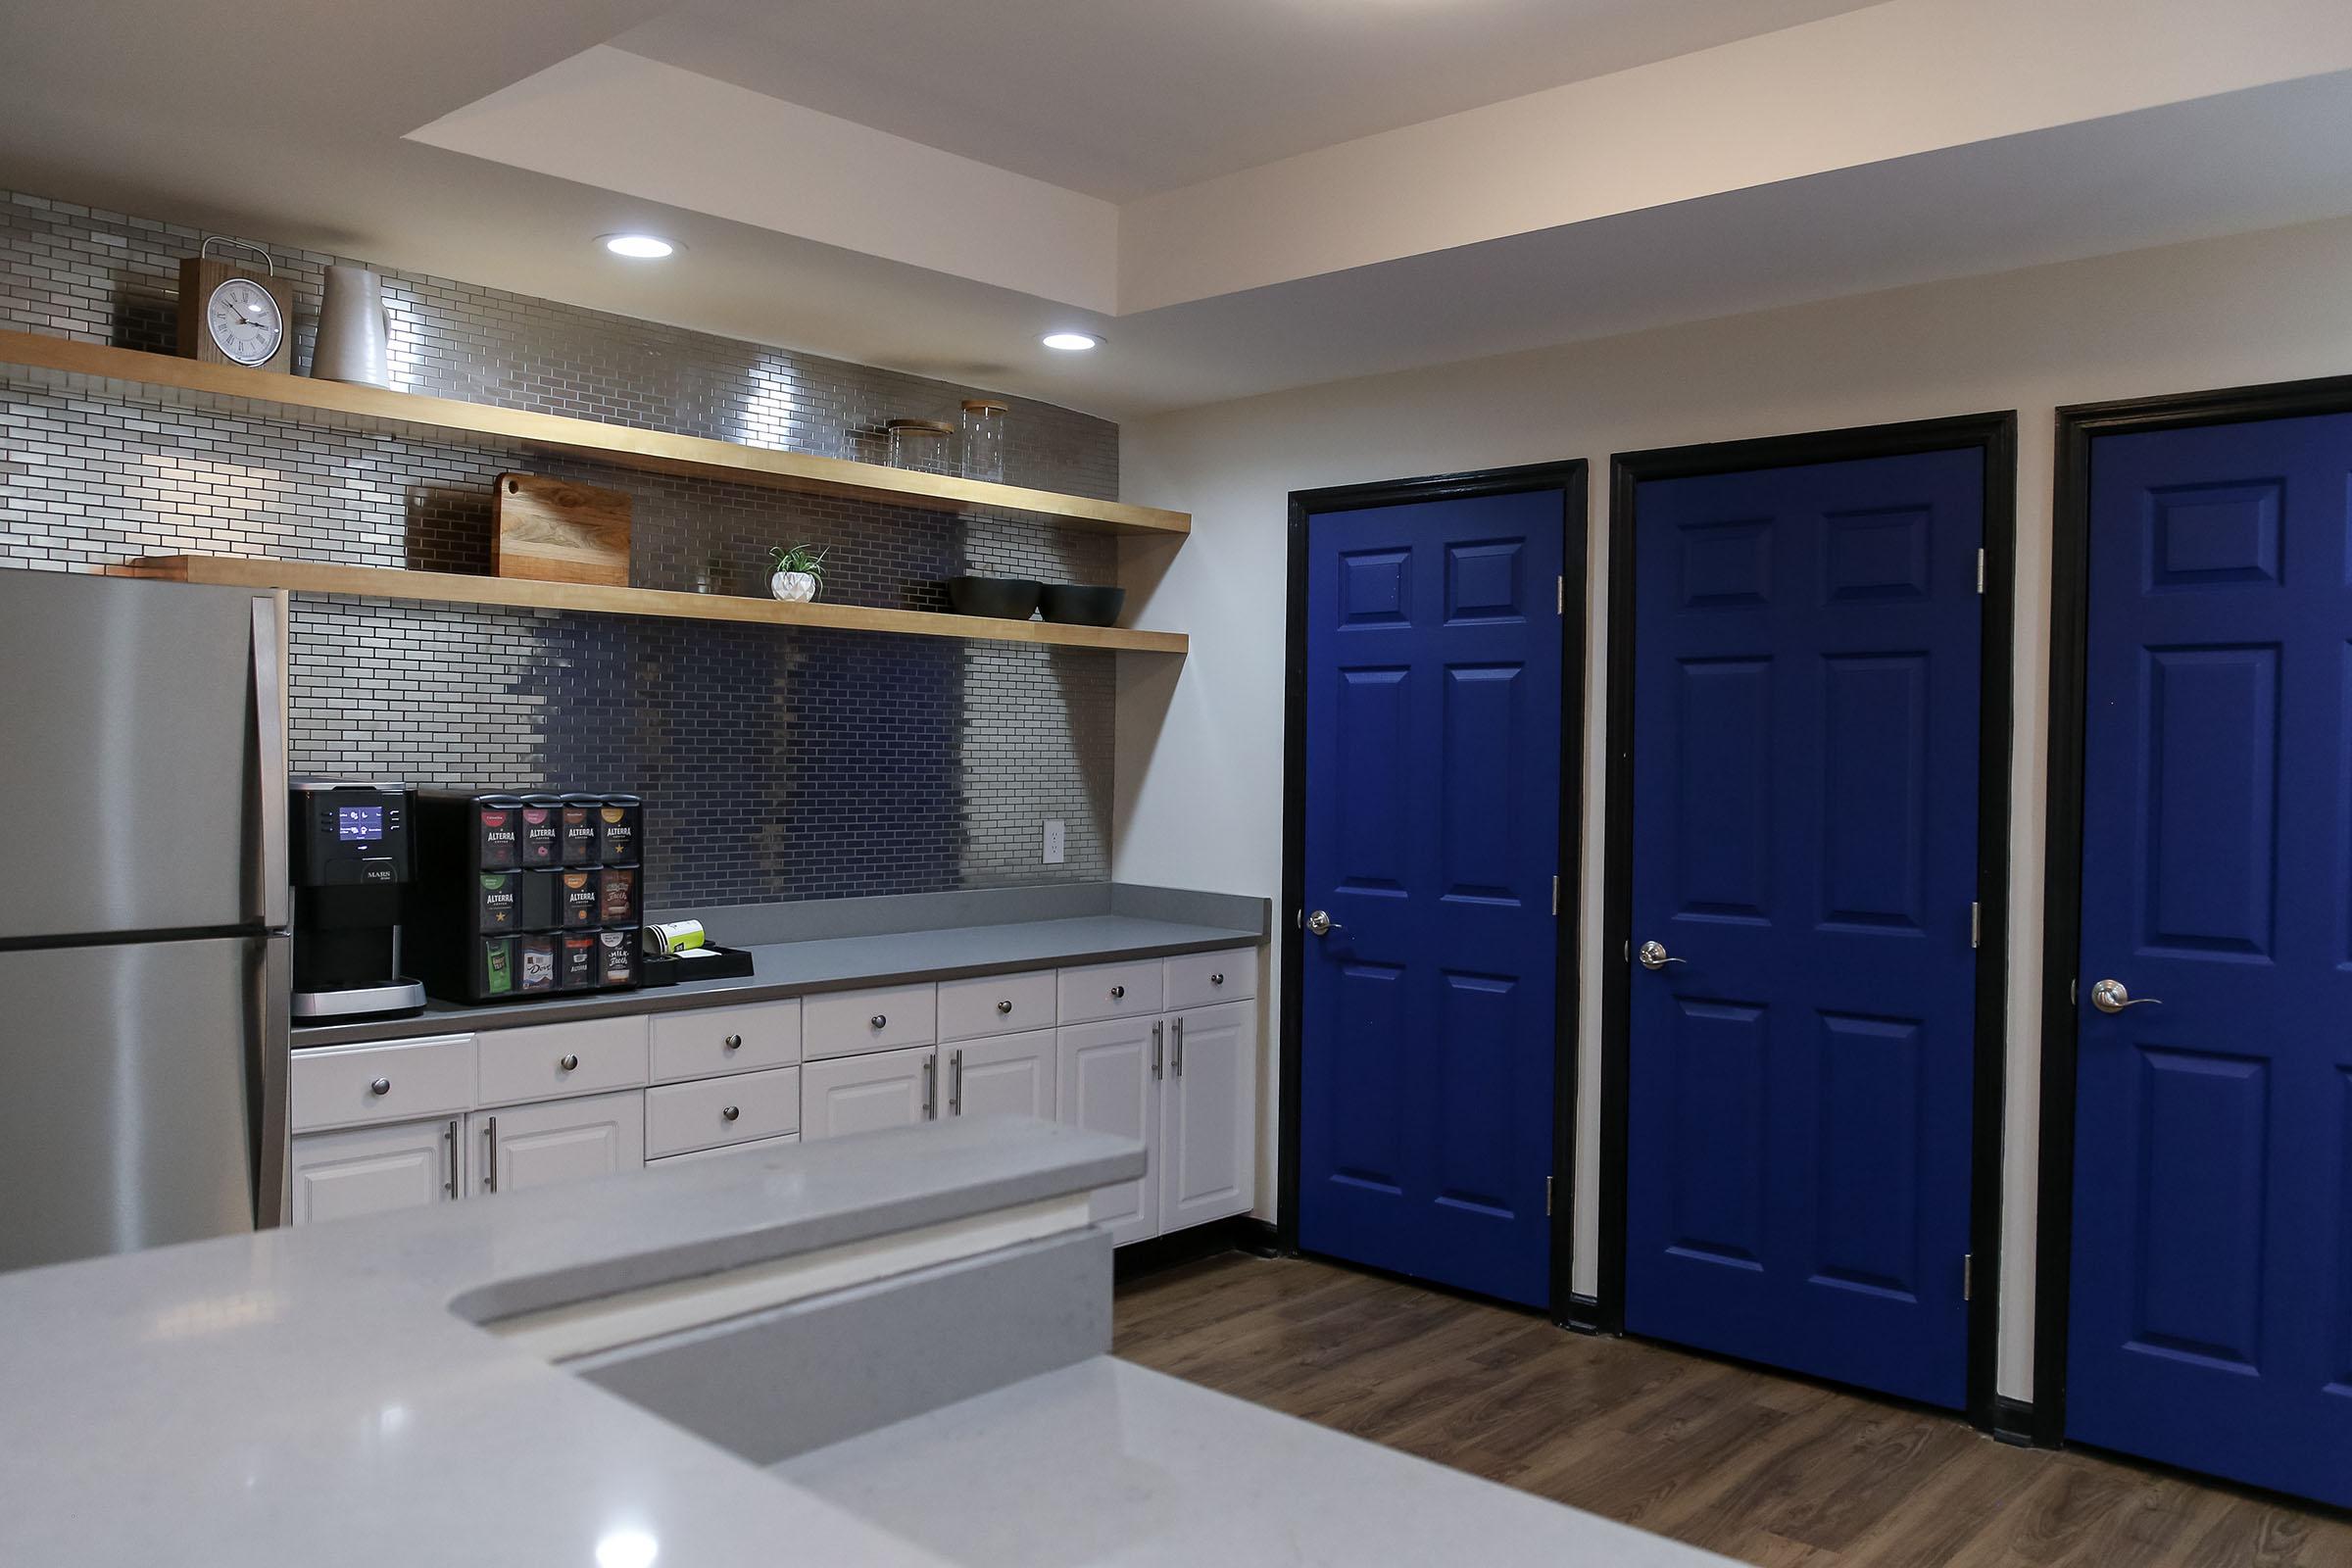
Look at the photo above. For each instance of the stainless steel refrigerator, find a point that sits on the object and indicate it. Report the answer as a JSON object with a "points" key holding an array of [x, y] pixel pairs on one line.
{"points": [[144, 965]]}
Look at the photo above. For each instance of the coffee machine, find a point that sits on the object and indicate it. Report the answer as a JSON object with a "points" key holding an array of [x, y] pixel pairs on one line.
{"points": [[351, 864]]}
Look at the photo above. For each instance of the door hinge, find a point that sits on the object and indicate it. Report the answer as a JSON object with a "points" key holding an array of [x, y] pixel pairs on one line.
{"points": [[1980, 572], [1559, 594], [1968, 1276], [1975, 924], [1546, 1197], [1555, 895]]}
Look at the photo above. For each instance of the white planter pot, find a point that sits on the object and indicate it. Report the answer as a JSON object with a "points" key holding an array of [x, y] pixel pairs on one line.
{"points": [[793, 587]]}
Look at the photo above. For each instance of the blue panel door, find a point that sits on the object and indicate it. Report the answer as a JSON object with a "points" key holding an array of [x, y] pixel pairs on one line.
{"points": [[2211, 1320], [1804, 844], [1432, 828]]}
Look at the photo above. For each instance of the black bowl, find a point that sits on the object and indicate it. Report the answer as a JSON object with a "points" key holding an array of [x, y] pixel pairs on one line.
{"points": [[1074, 605], [1008, 598]]}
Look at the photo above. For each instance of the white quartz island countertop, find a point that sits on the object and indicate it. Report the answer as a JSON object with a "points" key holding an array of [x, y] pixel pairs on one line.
{"points": [[311, 1398]]}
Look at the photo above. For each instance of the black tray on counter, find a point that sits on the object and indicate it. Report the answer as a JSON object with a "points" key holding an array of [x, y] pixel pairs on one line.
{"points": [[724, 964]]}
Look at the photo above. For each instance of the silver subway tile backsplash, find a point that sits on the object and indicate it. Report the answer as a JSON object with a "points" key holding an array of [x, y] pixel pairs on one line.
{"points": [[776, 766]]}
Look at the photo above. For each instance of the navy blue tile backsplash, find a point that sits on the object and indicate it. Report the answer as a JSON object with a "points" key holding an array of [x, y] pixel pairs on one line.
{"points": [[775, 766]]}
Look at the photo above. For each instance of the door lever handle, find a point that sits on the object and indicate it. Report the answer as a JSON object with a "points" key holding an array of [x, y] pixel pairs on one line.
{"points": [[1653, 955], [1321, 924], [2110, 996]]}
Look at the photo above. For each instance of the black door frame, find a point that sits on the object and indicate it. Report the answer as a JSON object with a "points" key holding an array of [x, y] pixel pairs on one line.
{"points": [[2062, 887], [1570, 479], [1995, 435]]}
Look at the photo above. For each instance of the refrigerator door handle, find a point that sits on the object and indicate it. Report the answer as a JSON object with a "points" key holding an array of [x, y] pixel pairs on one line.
{"points": [[269, 856], [267, 1013]]}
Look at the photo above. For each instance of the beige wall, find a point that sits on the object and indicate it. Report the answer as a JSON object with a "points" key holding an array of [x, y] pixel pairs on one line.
{"points": [[1199, 782]]}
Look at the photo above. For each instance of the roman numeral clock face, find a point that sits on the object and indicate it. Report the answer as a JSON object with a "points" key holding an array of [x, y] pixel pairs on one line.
{"points": [[244, 320]]}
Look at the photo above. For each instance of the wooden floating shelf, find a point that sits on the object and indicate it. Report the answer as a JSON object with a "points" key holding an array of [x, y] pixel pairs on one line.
{"points": [[515, 593], [340, 404]]}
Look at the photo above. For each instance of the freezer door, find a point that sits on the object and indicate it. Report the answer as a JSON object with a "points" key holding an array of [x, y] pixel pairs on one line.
{"points": [[142, 753], [136, 1082]]}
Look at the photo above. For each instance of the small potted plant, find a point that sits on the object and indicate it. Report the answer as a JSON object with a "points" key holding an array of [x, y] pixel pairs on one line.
{"points": [[796, 574]]}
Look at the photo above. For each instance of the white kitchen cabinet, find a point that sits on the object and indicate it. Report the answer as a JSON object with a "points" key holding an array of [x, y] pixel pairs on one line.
{"points": [[723, 1152], [1006, 1075], [706, 1042], [739, 1109], [521, 1147], [1207, 1155], [1205, 979], [397, 1080], [846, 1023], [864, 1093], [996, 1005], [1108, 1076], [375, 1170], [555, 1060], [1131, 990]]}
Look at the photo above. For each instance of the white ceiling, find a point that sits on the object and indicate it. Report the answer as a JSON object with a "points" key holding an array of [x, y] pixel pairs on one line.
{"points": [[1899, 142], [1125, 98]]}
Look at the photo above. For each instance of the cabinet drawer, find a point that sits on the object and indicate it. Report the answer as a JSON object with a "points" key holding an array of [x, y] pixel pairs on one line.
{"points": [[709, 1041], [844, 1023], [679, 1117], [336, 1086], [530, 1063], [996, 1005], [758, 1146], [1202, 979], [1111, 991]]}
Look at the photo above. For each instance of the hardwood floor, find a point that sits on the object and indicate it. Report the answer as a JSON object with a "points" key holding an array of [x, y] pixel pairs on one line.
{"points": [[1768, 1470]]}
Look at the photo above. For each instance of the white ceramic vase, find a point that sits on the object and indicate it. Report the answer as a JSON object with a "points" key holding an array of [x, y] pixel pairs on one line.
{"points": [[793, 587], [355, 329]]}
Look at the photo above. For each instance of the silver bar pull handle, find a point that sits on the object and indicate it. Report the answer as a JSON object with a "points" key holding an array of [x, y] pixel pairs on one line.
{"points": [[270, 761], [490, 1144], [1155, 1028], [455, 1132], [931, 1088], [955, 1082], [1177, 1028]]}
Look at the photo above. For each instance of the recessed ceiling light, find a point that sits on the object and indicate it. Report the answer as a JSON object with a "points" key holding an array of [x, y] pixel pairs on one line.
{"points": [[1070, 342], [642, 247]]}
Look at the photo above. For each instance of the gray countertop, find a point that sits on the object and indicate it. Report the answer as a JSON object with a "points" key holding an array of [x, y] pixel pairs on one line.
{"points": [[321, 1396], [310, 1395], [1119, 1465], [834, 963]]}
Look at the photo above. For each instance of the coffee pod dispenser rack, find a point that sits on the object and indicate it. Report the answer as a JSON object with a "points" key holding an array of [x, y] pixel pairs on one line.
{"points": [[527, 895]]}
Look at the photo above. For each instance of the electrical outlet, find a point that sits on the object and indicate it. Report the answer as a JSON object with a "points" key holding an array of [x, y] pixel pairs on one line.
{"points": [[1053, 837]]}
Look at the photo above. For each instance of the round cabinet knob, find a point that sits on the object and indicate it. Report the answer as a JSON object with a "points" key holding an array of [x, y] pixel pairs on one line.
{"points": [[382, 1086], [879, 1019], [734, 1042], [568, 1062], [1004, 1006], [1217, 979], [1116, 992], [731, 1112]]}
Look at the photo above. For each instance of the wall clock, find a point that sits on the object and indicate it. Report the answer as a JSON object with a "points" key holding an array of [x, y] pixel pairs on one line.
{"points": [[236, 315]]}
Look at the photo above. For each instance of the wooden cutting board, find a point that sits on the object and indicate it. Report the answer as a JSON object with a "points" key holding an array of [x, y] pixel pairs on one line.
{"points": [[554, 530]]}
